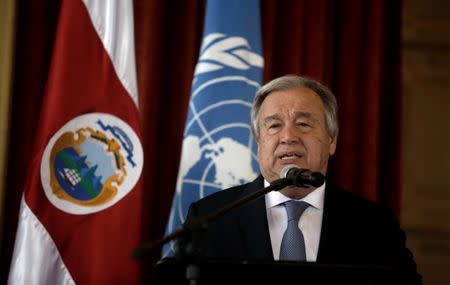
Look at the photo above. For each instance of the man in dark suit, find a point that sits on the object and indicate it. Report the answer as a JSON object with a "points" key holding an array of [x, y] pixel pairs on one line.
{"points": [[294, 121]]}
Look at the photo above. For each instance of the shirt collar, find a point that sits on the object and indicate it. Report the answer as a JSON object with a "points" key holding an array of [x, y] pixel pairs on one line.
{"points": [[315, 198]]}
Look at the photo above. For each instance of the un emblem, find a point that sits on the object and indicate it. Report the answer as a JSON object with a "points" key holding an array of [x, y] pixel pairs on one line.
{"points": [[91, 163], [218, 149]]}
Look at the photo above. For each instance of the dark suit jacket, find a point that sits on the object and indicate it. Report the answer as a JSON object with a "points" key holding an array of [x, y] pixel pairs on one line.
{"points": [[354, 230]]}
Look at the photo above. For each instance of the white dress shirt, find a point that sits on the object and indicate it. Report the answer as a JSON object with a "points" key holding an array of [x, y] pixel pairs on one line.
{"points": [[310, 222]]}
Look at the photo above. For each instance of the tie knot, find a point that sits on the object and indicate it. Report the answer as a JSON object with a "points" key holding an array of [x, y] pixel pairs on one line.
{"points": [[295, 209]]}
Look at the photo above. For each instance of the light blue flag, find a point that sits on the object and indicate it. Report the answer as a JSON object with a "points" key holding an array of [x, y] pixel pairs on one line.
{"points": [[218, 149]]}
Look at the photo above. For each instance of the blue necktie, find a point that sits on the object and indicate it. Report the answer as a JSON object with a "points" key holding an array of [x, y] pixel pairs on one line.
{"points": [[293, 243]]}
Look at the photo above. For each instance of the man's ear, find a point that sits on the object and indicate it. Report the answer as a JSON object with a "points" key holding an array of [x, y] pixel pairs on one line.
{"points": [[333, 142]]}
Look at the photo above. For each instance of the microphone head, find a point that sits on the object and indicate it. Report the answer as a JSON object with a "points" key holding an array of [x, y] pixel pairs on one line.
{"points": [[302, 177], [316, 179], [286, 169]]}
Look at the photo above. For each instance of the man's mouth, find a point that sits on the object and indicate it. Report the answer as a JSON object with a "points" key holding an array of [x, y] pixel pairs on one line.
{"points": [[289, 156]]}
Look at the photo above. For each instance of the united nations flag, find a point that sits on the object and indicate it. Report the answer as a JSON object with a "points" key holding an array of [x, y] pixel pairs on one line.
{"points": [[218, 148]]}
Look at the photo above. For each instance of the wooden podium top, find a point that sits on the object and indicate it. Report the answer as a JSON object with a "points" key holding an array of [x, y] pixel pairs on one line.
{"points": [[170, 271]]}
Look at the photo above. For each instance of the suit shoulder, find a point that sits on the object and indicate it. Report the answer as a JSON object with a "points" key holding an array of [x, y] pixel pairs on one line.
{"points": [[218, 199], [225, 194], [357, 204]]}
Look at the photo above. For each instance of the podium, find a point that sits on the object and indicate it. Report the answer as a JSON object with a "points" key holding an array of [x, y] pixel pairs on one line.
{"points": [[171, 271]]}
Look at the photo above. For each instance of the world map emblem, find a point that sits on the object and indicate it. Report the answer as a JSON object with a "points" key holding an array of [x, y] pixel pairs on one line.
{"points": [[91, 163], [218, 149]]}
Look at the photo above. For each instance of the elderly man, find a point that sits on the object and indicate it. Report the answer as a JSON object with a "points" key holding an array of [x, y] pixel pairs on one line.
{"points": [[294, 121]]}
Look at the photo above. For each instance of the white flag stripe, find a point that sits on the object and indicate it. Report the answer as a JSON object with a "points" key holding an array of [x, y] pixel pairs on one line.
{"points": [[33, 245], [117, 36]]}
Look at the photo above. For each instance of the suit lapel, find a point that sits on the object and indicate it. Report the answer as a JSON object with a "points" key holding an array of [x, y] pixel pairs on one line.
{"points": [[253, 225]]}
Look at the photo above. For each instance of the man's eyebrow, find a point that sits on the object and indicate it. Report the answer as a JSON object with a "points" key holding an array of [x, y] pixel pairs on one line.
{"points": [[298, 114], [270, 118], [303, 114], [306, 115]]}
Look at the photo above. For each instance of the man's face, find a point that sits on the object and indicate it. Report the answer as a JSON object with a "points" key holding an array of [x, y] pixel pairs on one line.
{"points": [[292, 131]]}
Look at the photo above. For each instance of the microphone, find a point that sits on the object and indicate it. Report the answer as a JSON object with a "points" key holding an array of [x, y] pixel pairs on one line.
{"points": [[302, 177]]}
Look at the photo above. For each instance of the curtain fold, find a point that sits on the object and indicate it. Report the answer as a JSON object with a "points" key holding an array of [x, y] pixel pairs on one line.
{"points": [[354, 48], [34, 35], [7, 17]]}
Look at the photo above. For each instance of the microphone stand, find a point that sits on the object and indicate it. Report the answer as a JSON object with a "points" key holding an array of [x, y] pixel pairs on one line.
{"points": [[193, 245]]}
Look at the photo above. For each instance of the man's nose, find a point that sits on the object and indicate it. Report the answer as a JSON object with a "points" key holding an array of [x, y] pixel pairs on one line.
{"points": [[289, 135]]}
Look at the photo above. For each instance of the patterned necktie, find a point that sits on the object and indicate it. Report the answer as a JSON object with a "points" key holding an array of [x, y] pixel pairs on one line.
{"points": [[293, 243]]}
